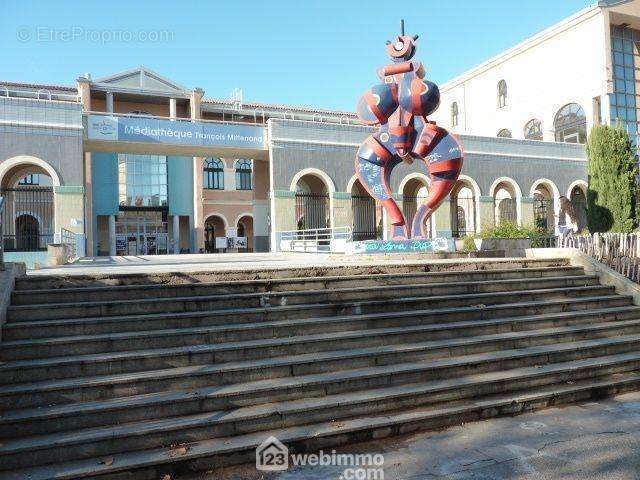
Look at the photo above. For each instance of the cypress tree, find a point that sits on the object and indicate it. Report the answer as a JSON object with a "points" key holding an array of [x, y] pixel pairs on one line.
{"points": [[613, 171]]}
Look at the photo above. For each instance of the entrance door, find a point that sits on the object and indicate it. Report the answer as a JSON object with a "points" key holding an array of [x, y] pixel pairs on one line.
{"points": [[142, 232]]}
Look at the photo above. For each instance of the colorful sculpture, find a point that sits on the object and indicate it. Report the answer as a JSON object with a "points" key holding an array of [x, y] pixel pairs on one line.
{"points": [[400, 106]]}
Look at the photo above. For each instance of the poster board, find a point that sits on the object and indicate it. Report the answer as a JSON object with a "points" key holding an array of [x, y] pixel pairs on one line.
{"points": [[221, 242]]}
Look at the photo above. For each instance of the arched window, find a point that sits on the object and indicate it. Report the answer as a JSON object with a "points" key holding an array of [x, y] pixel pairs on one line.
{"points": [[243, 175], [504, 133], [454, 114], [213, 174], [533, 130], [571, 124], [241, 231], [502, 93]]}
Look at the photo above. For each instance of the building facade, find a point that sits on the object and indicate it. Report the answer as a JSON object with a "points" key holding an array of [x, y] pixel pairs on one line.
{"points": [[557, 84], [136, 164]]}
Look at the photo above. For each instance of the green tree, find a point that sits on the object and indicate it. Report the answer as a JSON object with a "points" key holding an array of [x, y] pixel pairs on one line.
{"points": [[613, 171]]}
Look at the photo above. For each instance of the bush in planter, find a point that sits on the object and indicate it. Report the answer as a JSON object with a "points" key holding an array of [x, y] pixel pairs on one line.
{"points": [[468, 243], [510, 230]]}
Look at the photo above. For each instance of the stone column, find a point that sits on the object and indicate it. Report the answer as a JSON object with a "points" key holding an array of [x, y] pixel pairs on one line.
{"points": [[173, 108], [109, 102], [342, 210], [176, 234], [284, 214], [442, 219], [84, 92], [112, 235], [526, 212], [260, 206], [196, 223], [487, 213]]}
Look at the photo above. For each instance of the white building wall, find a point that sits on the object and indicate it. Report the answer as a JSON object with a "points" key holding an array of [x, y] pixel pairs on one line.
{"points": [[566, 63]]}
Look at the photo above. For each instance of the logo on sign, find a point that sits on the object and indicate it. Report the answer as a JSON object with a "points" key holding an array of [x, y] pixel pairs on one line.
{"points": [[103, 128]]}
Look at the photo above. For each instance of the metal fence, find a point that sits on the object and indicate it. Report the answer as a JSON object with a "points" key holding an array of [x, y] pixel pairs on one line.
{"points": [[542, 213], [506, 210], [619, 251], [27, 218], [312, 210], [463, 217], [315, 240], [365, 222]]}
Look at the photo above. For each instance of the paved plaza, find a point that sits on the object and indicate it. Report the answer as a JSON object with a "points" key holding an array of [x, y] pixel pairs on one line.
{"points": [[230, 261]]}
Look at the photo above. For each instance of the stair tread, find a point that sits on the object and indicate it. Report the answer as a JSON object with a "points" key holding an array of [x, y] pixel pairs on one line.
{"points": [[238, 326], [221, 445], [478, 263], [190, 298], [318, 337], [258, 411], [216, 328], [341, 304], [78, 382], [149, 400], [328, 278]]}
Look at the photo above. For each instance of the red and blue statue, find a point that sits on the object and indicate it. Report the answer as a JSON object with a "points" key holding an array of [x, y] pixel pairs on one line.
{"points": [[400, 107]]}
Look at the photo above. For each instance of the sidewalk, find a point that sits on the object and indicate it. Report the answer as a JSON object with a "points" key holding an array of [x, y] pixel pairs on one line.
{"points": [[592, 441]]}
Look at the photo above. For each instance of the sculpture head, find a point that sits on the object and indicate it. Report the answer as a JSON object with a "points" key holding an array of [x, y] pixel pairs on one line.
{"points": [[404, 47]]}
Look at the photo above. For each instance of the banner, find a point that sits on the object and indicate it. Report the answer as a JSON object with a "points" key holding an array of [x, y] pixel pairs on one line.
{"points": [[174, 132]]}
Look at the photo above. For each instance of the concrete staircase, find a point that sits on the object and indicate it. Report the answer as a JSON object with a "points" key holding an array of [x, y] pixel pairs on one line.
{"points": [[139, 376]]}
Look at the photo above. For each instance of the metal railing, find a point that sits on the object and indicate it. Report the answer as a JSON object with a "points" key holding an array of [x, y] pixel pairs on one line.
{"points": [[316, 240], [619, 251], [40, 94]]}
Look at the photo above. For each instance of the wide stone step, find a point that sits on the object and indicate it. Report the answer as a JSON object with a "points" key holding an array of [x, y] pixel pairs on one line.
{"points": [[334, 302], [198, 376], [278, 321], [212, 453], [122, 352], [185, 337], [89, 443], [165, 404], [40, 282], [119, 292]]}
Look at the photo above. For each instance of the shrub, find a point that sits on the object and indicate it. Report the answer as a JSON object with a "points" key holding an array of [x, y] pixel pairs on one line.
{"points": [[613, 190], [510, 230], [468, 243]]}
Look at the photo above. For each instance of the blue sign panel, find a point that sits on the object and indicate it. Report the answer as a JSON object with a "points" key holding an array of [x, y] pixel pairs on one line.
{"points": [[175, 132]]}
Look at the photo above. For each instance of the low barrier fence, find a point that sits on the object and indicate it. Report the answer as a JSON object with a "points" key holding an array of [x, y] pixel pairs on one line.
{"points": [[619, 251], [316, 240], [69, 238]]}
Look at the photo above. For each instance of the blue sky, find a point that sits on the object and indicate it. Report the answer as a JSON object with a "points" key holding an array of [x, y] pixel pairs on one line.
{"points": [[303, 52]]}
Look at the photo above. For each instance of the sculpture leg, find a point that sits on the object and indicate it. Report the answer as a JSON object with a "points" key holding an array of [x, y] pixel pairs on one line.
{"points": [[443, 156], [373, 166]]}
